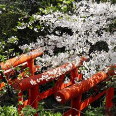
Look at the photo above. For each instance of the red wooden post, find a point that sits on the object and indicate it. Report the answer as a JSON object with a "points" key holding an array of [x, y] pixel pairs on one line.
{"points": [[109, 102], [110, 92], [33, 92], [76, 102]]}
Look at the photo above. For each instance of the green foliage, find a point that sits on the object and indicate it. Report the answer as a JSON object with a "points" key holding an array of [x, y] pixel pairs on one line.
{"points": [[43, 6], [56, 5], [29, 111], [8, 21], [8, 111], [8, 38], [6, 49], [99, 111], [46, 112]]}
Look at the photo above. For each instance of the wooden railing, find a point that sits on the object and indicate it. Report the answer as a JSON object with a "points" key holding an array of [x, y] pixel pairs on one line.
{"points": [[63, 91]]}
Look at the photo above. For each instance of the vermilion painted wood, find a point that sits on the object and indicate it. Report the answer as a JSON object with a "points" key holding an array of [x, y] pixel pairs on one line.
{"points": [[75, 102], [74, 75], [26, 60], [49, 92], [74, 92], [20, 59], [9, 72], [75, 105], [110, 92], [33, 92], [46, 94], [2, 85], [77, 111], [12, 72], [7, 75], [77, 89], [60, 83], [52, 90], [109, 102], [39, 80], [46, 76], [25, 103]]}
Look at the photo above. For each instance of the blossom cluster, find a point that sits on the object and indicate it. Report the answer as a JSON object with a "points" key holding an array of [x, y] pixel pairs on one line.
{"points": [[77, 34]]}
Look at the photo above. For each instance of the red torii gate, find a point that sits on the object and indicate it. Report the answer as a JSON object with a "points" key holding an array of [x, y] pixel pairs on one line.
{"points": [[25, 60], [75, 91], [71, 92], [57, 73]]}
